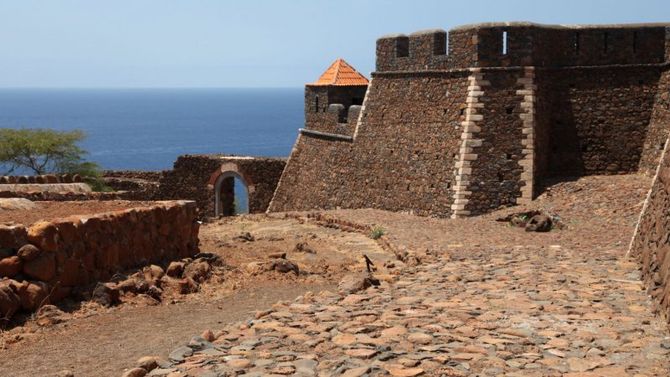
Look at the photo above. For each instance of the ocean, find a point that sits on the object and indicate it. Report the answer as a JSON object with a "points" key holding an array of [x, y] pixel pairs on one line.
{"points": [[146, 129]]}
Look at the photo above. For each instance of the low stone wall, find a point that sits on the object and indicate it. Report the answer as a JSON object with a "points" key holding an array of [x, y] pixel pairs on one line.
{"points": [[40, 179], [152, 176], [44, 262], [194, 177], [42, 196], [651, 240], [47, 187]]}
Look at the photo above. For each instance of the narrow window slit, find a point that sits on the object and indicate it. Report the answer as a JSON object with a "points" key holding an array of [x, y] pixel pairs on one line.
{"points": [[504, 43]]}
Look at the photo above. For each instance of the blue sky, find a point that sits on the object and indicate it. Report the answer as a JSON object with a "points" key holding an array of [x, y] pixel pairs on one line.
{"points": [[250, 43]]}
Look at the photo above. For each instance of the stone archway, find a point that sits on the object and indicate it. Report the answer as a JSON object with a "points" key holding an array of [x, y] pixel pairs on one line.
{"points": [[222, 180], [219, 202]]}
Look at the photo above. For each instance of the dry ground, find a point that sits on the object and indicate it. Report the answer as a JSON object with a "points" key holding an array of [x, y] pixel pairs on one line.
{"points": [[599, 214], [95, 341], [54, 210]]}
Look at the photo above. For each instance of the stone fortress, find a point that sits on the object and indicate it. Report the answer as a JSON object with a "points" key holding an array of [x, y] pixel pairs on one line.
{"points": [[451, 124], [463, 122]]}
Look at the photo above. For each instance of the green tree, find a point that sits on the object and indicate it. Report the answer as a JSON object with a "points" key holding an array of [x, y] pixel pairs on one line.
{"points": [[45, 151]]}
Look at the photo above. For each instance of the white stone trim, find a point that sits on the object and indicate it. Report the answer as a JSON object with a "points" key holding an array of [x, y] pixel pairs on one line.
{"points": [[471, 126], [528, 131]]}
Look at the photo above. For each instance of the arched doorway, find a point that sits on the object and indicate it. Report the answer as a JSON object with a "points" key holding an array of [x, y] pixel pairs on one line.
{"points": [[231, 194]]}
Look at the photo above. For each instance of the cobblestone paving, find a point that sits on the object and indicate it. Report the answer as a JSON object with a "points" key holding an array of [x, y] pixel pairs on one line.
{"points": [[519, 312]]}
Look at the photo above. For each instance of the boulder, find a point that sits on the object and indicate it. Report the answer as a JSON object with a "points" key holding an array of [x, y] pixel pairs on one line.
{"points": [[187, 285], [10, 302], [10, 267], [106, 294], [198, 270], [29, 252], [539, 223], [42, 268], [303, 247], [135, 372], [284, 266], [353, 283], [33, 294], [50, 178], [255, 268], [148, 363], [12, 236], [155, 293], [49, 315], [153, 273], [175, 269], [44, 235]]}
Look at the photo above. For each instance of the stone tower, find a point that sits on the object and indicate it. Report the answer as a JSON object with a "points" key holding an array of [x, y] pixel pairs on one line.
{"points": [[331, 96]]}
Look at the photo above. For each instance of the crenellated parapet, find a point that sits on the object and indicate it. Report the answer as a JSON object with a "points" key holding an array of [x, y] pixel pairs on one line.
{"points": [[524, 44]]}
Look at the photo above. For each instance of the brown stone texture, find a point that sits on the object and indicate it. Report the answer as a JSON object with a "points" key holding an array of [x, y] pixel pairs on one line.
{"points": [[598, 118], [402, 158], [658, 126], [495, 178], [651, 241], [194, 178], [466, 126], [78, 250]]}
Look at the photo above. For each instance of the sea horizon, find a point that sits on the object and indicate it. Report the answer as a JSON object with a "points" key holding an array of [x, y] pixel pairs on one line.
{"points": [[147, 128]]}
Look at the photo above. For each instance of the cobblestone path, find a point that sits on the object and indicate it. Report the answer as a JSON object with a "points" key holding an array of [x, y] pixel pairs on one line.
{"points": [[518, 312]]}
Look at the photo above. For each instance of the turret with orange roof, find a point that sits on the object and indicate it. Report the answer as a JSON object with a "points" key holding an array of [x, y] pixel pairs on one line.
{"points": [[341, 73]]}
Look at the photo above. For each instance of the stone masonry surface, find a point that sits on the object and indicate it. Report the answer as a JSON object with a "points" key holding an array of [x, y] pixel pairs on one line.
{"points": [[651, 241], [553, 101], [453, 318], [194, 177], [45, 261]]}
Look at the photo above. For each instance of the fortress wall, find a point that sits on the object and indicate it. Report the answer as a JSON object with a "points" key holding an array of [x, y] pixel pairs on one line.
{"points": [[495, 178], [193, 176], [402, 158], [651, 241], [598, 118], [659, 126], [542, 132], [527, 44]]}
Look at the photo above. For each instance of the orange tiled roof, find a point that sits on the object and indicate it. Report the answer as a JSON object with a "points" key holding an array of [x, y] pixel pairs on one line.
{"points": [[340, 73]]}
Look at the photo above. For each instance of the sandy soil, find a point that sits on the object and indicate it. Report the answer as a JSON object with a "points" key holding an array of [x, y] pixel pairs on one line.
{"points": [[55, 210]]}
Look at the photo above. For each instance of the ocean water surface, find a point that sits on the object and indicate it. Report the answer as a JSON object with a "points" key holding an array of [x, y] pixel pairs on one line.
{"points": [[146, 129]]}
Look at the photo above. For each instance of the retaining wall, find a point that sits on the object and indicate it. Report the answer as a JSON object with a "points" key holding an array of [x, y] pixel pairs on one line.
{"points": [[46, 261], [651, 241]]}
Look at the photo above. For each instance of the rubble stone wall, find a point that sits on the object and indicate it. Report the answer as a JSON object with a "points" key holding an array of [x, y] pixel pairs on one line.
{"points": [[651, 241], [659, 125], [47, 260], [462, 122], [598, 118], [194, 178], [403, 156]]}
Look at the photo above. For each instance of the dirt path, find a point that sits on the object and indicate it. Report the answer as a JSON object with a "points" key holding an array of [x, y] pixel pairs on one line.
{"points": [[103, 345]]}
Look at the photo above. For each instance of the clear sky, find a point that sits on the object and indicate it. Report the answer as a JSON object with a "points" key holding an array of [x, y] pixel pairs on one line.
{"points": [[244, 43]]}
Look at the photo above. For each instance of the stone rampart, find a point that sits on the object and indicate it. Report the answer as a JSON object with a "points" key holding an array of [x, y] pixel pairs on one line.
{"points": [[463, 122], [44, 262], [651, 240]]}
